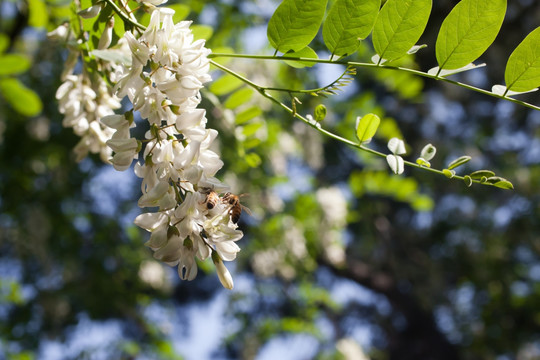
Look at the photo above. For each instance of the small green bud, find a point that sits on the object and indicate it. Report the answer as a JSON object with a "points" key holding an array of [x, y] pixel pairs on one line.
{"points": [[449, 173], [320, 112], [423, 162]]}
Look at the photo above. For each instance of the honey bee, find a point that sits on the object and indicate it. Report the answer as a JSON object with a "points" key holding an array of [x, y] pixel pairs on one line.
{"points": [[235, 207], [212, 198]]}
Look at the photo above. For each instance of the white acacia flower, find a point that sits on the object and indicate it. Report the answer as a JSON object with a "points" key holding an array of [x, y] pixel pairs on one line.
{"points": [[162, 81]]}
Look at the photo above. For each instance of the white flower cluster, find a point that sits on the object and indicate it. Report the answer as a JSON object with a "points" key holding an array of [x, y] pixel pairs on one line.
{"points": [[84, 102], [178, 174]]}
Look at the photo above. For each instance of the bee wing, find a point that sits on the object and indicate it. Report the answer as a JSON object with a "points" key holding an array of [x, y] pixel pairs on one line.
{"points": [[246, 209]]}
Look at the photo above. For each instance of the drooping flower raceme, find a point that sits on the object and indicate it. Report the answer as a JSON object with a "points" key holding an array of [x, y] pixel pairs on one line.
{"points": [[167, 70], [178, 167]]}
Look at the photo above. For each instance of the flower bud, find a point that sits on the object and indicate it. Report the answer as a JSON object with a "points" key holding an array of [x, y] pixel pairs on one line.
{"points": [[90, 12], [106, 36], [223, 274]]}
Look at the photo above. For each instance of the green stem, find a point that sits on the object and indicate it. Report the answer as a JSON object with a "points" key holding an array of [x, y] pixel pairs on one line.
{"points": [[124, 16], [264, 92], [370, 65]]}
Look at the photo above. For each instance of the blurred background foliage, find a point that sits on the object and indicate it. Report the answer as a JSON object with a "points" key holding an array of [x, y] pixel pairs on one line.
{"points": [[338, 256]]}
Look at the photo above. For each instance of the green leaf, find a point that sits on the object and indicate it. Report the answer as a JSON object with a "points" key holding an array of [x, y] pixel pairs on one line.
{"points": [[22, 99], [320, 112], [11, 64], [306, 52], [449, 173], [204, 32], [366, 127], [459, 161], [225, 84], [238, 98], [247, 114], [119, 28], [494, 179], [348, 22], [423, 162], [295, 23], [399, 26], [481, 173], [251, 129], [468, 31], [523, 68], [181, 11], [422, 202], [253, 160], [500, 182], [4, 42], [223, 50], [504, 184], [467, 180], [38, 13]]}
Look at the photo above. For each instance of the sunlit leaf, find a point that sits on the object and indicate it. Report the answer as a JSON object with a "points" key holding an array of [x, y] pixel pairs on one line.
{"points": [[399, 26], [320, 112], [468, 31], [347, 23], [238, 98], [523, 68], [459, 161], [500, 182], [253, 160], [295, 23], [449, 173], [422, 202], [38, 13], [423, 162], [4, 42], [481, 173], [11, 64], [119, 28], [251, 129], [504, 184], [225, 84], [467, 180], [204, 32], [24, 100], [248, 114], [306, 52], [366, 127], [181, 11]]}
